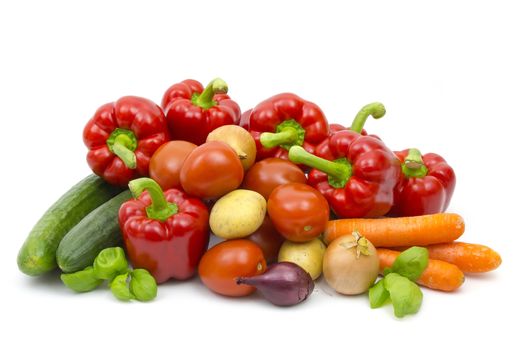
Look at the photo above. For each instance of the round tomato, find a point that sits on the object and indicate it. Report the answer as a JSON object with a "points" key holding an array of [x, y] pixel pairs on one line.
{"points": [[269, 239], [211, 170], [299, 212], [166, 162], [269, 173], [220, 266]]}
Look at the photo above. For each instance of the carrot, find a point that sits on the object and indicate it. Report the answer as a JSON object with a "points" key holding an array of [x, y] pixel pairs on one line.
{"points": [[439, 275], [403, 231], [469, 257]]}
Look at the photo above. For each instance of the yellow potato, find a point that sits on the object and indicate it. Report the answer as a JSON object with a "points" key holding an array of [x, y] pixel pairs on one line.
{"points": [[237, 214], [308, 255]]}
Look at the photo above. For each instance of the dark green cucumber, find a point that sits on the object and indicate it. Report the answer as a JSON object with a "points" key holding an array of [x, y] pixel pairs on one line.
{"points": [[98, 230], [38, 254]]}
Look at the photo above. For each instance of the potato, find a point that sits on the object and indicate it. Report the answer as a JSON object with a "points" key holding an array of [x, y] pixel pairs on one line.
{"points": [[237, 214], [308, 255]]}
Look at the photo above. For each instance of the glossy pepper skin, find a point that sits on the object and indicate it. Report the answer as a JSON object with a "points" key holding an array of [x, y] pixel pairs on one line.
{"points": [[165, 233], [193, 111], [121, 138], [356, 174], [425, 186], [285, 120]]}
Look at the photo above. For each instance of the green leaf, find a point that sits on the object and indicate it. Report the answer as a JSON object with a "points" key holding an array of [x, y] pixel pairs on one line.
{"points": [[143, 285], [411, 263], [406, 296], [110, 262], [120, 289], [378, 294], [81, 281]]}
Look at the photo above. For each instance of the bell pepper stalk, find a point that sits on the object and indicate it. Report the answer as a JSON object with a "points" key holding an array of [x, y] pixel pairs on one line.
{"points": [[356, 174], [285, 120], [375, 109], [193, 111], [122, 136], [426, 184], [166, 232]]}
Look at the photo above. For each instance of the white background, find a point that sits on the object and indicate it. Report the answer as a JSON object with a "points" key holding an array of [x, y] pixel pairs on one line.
{"points": [[450, 73]]}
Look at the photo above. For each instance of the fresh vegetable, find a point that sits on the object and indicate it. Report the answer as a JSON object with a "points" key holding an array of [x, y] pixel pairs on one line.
{"points": [[142, 285], [426, 184], [438, 274], [468, 257], [406, 231], [268, 239], [166, 163], [355, 173], [98, 230], [245, 119], [222, 265], [298, 211], [109, 263], [237, 214], [285, 120], [164, 233], [121, 138], [193, 111], [308, 255], [38, 253], [81, 281], [239, 139], [283, 284], [350, 264], [265, 175], [120, 288], [398, 284], [211, 170], [375, 109]]}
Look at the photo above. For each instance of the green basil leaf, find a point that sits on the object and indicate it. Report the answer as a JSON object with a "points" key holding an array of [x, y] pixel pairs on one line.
{"points": [[378, 294], [406, 296], [120, 289], [81, 281], [411, 263], [143, 285], [110, 262]]}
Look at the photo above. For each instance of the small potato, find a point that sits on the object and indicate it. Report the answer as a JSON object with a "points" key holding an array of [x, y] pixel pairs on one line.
{"points": [[237, 214], [308, 255]]}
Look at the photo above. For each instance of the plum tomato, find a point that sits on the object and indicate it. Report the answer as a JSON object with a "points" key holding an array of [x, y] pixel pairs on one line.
{"points": [[166, 162]]}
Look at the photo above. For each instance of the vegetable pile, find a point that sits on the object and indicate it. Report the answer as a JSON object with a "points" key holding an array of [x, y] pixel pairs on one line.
{"points": [[292, 198]]}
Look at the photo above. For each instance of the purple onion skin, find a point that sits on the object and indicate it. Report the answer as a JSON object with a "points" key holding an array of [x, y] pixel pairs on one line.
{"points": [[283, 284]]}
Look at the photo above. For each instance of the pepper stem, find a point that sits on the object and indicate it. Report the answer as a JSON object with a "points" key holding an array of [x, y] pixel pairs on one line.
{"points": [[339, 171], [375, 109], [160, 209], [122, 143], [413, 165], [205, 99], [286, 134]]}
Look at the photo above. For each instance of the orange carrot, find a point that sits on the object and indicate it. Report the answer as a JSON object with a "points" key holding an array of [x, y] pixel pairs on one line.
{"points": [[469, 257], [403, 231], [439, 275]]}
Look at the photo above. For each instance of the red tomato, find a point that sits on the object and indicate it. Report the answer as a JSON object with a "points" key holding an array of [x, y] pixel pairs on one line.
{"points": [[220, 266], [269, 239], [166, 162], [269, 173], [211, 170], [299, 212]]}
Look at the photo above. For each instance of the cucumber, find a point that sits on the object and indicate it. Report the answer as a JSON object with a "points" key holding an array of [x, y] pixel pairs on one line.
{"points": [[38, 253], [98, 230]]}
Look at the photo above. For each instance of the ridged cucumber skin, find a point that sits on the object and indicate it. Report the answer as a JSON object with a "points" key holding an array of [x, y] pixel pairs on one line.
{"points": [[98, 230], [38, 253]]}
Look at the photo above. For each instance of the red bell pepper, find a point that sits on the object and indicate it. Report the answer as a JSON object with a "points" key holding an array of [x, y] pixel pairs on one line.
{"points": [[121, 138], [165, 233], [357, 174], [425, 186], [285, 120], [193, 112]]}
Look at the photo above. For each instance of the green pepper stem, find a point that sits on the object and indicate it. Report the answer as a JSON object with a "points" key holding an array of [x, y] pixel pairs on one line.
{"points": [[123, 142], [413, 166], [375, 109], [339, 171], [160, 209], [205, 99], [273, 139], [125, 154]]}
